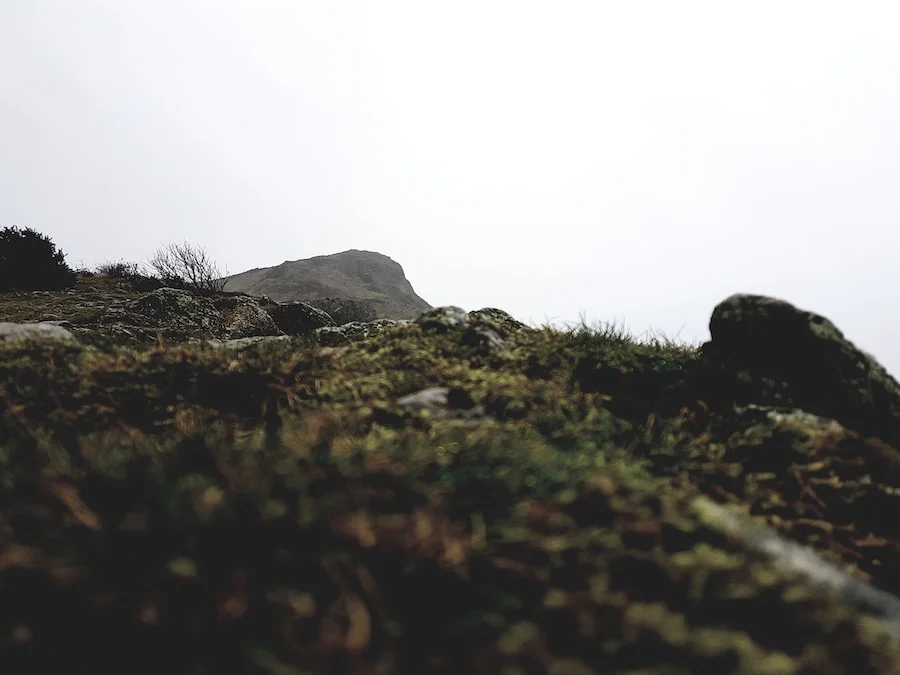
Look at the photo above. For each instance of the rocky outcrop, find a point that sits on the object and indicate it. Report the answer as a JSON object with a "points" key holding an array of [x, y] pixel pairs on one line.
{"points": [[481, 327], [183, 313], [106, 316], [370, 279]]}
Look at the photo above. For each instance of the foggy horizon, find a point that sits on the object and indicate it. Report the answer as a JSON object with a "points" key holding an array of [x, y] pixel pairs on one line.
{"points": [[632, 164]]}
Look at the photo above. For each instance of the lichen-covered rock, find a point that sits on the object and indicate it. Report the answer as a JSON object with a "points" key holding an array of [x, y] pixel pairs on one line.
{"points": [[484, 328], [500, 321], [186, 312], [40, 330], [442, 319], [336, 336], [243, 317], [176, 308], [299, 318]]}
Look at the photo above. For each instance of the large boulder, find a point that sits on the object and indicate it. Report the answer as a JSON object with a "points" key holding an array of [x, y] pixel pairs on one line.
{"points": [[217, 317], [443, 319], [486, 328], [299, 318], [768, 352], [244, 317], [346, 310], [173, 308], [498, 320], [10, 332]]}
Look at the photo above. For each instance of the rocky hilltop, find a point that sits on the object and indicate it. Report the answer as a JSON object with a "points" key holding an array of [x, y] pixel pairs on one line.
{"points": [[350, 275], [218, 483]]}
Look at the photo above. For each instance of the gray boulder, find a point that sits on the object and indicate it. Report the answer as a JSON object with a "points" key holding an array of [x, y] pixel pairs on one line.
{"points": [[446, 404], [499, 321], [243, 317], [299, 318], [345, 310], [337, 336], [183, 311], [478, 329], [443, 319], [171, 307], [10, 332]]}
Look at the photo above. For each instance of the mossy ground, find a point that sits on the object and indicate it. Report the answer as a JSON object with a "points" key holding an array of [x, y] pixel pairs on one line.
{"points": [[273, 510]]}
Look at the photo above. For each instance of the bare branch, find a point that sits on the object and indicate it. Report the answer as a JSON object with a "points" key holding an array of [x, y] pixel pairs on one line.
{"points": [[187, 266]]}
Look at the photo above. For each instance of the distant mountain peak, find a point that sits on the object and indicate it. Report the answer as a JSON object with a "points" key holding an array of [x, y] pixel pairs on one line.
{"points": [[353, 274]]}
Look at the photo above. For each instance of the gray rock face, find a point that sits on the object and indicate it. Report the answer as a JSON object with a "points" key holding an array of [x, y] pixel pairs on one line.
{"points": [[299, 318], [10, 332], [768, 352]]}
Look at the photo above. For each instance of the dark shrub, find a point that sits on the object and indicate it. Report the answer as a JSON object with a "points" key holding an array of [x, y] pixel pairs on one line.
{"points": [[29, 261], [136, 278], [119, 270]]}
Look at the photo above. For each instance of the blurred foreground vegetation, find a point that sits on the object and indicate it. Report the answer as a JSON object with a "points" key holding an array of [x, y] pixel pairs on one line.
{"points": [[273, 510]]}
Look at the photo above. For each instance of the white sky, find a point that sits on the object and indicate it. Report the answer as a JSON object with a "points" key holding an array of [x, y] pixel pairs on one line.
{"points": [[632, 162]]}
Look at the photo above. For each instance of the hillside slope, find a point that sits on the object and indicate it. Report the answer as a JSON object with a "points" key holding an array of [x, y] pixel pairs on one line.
{"points": [[353, 274]]}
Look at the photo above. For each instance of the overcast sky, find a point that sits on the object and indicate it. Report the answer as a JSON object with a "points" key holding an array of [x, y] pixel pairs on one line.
{"points": [[631, 162]]}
